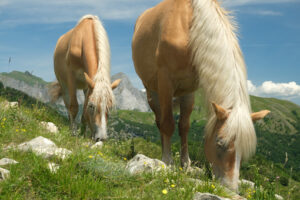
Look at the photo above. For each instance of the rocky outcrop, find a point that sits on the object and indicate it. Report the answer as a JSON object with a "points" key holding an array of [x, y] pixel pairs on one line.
{"points": [[141, 164], [44, 147]]}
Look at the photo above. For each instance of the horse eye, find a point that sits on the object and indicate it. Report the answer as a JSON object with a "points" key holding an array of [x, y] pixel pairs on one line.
{"points": [[91, 107], [221, 144]]}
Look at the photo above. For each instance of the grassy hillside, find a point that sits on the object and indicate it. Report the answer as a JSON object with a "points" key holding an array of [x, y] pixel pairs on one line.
{"points": [[84, 178], [26, 77], [87, 173]]}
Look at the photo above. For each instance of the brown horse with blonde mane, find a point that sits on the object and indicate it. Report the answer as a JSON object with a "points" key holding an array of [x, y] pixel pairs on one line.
{"points": [[180, 46], [82, 61]]}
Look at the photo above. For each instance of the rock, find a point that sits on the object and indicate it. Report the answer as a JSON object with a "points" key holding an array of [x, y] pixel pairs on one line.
{"points": [[246, 182], [53, 167], [97, 145], [207, 196], [7, 104], [195, 171], [4, 174], [278, 197], [140, 163], [49, 126], [7, 161], [44, 147]]}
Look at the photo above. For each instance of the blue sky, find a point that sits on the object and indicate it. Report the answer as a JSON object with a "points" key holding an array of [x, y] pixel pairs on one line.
{"points": [[269, 35]]}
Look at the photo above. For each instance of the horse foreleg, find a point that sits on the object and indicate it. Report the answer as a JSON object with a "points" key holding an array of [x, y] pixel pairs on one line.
{"points": [[83, 120], [186, 108], [167, 124]]}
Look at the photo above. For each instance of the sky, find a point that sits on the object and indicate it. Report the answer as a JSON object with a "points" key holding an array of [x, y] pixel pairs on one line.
{"points": [[269, 35]]}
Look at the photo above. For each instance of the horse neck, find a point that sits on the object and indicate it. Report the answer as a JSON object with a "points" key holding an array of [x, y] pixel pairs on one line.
{"points": [[216, 55], [219, 62]]}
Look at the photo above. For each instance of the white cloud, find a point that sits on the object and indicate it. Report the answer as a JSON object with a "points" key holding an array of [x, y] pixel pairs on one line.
{"points": [[264, 12], [288, 91]]}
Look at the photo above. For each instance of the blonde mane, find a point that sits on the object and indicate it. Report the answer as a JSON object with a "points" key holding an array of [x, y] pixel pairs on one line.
{"points": [[102, 91], [222, 72]]}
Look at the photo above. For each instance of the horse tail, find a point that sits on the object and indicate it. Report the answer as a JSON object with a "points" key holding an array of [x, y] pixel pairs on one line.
{"points": [[55, 91]]}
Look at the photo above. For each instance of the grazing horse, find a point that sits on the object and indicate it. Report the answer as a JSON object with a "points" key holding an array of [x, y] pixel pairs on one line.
{"points": [[82, 61], [180, 46]]}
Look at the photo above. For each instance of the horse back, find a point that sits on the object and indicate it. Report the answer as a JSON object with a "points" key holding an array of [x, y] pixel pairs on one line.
{"points": [[161, 40], [75, 53]]}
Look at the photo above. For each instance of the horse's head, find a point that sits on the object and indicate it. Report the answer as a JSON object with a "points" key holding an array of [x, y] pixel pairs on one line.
{"points": [[98, 102], [224, 154]]}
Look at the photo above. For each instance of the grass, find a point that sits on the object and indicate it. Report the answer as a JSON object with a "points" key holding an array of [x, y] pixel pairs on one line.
{"points": [[87, 173], [100, 174]]}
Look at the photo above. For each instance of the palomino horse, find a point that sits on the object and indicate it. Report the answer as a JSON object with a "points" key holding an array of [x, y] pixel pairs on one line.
{"points": [[82, 61], [179, 46]]}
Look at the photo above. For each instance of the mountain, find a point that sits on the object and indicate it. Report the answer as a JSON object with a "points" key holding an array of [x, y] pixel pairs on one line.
{"points": [[127, 96], [27, 83]]}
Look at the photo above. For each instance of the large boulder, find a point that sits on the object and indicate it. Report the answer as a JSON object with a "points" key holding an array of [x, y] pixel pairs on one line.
{"points": [[140, 164], [44, 147]]}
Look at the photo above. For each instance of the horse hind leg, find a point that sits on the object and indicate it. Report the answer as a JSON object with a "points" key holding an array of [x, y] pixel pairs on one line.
{"points": [[71, 104], [153, 102], [186, 108]]}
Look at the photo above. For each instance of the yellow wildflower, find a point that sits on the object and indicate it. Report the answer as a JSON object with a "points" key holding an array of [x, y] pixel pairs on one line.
{"points": [[145, 163], [23, 130], [180, 168], [125, 158], [100, 153], [249, 195], [164, 191], [173, 185], [90, 156], [17, 130], [163, 166], [213, 186]]}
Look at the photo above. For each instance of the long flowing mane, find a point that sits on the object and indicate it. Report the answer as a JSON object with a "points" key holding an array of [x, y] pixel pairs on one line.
{"points": [[102, 91], [219, 62]]}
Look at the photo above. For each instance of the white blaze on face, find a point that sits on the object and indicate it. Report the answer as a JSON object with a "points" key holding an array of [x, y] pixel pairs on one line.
{"points": [[101, 131], [236, 171], [232, 182]]}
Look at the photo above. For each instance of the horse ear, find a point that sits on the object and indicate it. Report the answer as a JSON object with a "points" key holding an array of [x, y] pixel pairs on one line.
{"points": [[115, 84], [89, 81], [259, 115], [221, 113]]}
